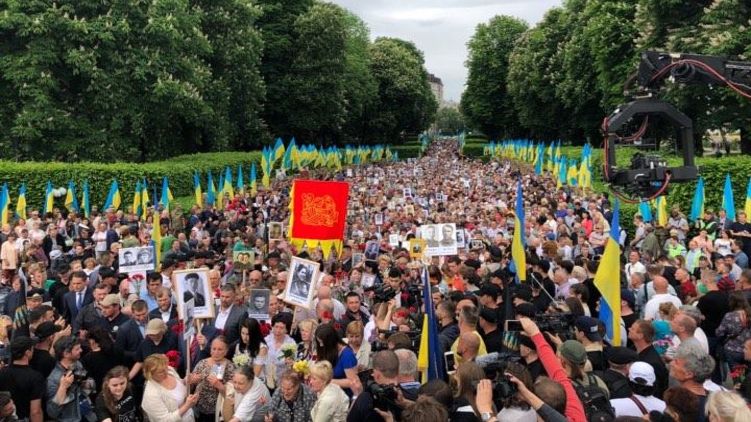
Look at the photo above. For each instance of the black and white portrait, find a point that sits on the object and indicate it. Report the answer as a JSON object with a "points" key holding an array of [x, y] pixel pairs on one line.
{"points": [[371, 249], [276, 231], [440, 239], [460, 242], [379, 219], [243, 260], [394, 240], [136, 259], [258, 304], [194, 285], [367, 280], [357, 259], [303, 275], [187, 313]]}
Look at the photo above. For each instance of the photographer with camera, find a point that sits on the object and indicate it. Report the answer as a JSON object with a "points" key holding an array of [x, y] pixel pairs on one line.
{"points": [[382, 392], [574, 409], [68, 386]]}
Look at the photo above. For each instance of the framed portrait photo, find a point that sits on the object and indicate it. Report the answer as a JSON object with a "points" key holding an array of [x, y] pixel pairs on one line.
{"points": [[394, 240], [357, 259], [303, 275], [416, 248], [136, 259], [378, 219], [367, 280], [243, 260], [276, 230], [194, 285], [187, 313], [258, 304]]}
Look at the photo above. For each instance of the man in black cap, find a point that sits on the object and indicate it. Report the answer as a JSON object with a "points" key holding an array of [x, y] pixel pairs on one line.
{"points": [[26, 386], [588, 333], [489, 332], [539, 281], [616, 376], [34, 298], [42, 361], [528, 352], [488, 298]]}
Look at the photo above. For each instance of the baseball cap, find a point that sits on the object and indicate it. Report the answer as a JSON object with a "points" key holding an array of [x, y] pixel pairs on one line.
{"points": [[489, 289], [111, 299], [573, 351], [642, 373], [156, 326], [35, 294], [622, 355], [46, 329], [589, 327], [20, 345]]}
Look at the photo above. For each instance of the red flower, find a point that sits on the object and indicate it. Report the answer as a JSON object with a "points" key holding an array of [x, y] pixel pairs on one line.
{"points": [[178, 328], [265, 328], [173, 356]]}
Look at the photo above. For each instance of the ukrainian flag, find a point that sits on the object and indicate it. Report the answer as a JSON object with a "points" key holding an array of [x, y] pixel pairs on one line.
{"points": [[662, 211], [21, 204], [279, 150], [71, 203], [728, 204], [517, 243], [137, 207], [240, 181], [49, 199], [253, 181], [197, 190], [144, 199], [608, 281], [747, 207], [227, 189], [646, 211], [697, 204], [430, 356], [85, 200], [4, 205], [166, 194], [156, 239], [210, 191], [113, 197]]}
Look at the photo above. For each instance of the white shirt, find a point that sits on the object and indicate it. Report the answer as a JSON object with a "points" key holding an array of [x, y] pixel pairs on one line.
{"points": [[699, 335], [627, 407], [638, 267], [221, 317], [652, 308], [246, 404], [166, 314]]}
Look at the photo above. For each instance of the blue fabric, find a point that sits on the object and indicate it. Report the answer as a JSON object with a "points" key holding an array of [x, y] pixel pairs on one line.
{"points": [[347, 360]]}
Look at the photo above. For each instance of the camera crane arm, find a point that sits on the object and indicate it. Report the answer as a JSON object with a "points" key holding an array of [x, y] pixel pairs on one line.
{"points": [[649, 176]]}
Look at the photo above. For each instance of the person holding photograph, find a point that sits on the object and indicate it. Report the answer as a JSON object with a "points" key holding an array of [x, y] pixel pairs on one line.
{"points": [[210, 376]]}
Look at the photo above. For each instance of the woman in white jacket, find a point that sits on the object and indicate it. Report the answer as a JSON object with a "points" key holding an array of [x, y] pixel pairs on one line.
{"points": [[332, 404], [165, 397]]}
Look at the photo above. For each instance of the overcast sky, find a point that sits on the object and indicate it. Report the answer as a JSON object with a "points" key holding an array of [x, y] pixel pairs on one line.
{"points": [[441, 28]]}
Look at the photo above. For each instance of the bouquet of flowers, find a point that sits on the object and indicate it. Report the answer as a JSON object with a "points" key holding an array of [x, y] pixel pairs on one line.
{"points": [[241, 359], [288, 351], [178, 328], [738, 374], [301, 367], [173, 356]]}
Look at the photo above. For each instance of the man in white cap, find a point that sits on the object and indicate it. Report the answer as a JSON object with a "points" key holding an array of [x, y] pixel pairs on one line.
{"points": [[642, 379]]}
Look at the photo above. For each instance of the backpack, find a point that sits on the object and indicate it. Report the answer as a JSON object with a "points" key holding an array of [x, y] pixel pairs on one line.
{"points": [[595, 401]]}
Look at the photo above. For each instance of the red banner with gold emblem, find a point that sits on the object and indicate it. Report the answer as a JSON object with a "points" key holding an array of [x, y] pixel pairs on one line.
{"points": [[318, 212]]}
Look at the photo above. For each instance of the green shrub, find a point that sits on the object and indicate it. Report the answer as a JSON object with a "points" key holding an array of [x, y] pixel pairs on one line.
{"points": [[473, 150], [407, 151]]}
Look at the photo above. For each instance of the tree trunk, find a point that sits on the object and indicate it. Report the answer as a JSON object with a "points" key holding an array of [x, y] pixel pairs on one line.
{"points": [[745, 140]]}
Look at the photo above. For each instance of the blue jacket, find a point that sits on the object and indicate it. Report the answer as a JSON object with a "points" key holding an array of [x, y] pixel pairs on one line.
{"points": [[69, 410]]}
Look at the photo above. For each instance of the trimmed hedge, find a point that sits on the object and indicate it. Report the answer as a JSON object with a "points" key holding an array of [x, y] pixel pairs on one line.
{"points": [[179, 170], [407, 151], [473, 150]]}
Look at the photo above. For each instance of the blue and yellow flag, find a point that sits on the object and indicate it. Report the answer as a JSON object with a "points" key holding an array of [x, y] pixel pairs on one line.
{"points": [[144, 199], [197, 190], [279, 151], [240, 184], [21, 203], [646, 211], [228, 189], [430, 356], [747, 205], [71, 202], [210, 191], [137, 208], [728, 204], [608, 280], [697, 204], [86, 200], [166, 194], [49, 199], [4, 205], [253, 179], [518, 241], [156, 239], [113, 197], [661, 207]]}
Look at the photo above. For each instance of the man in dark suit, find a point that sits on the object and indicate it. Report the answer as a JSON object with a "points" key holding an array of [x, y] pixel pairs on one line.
{"points": [[131, 334], [194, 290], [229, 315], [78, 297], [165, 310]]}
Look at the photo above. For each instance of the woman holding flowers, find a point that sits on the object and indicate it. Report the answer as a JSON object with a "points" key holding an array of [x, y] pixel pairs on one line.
{"points": [[211, 375], [250, 349], [280, 346]]}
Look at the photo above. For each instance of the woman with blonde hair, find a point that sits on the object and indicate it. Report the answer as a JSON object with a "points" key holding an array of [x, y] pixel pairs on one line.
{"points": [[355, 332], [332, 404], [165, 397], [5, 322], [727, 406], [306, 348], [116, 402]]}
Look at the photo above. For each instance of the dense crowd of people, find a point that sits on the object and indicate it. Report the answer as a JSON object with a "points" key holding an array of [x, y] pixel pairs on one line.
{"points": [[82, 340]]}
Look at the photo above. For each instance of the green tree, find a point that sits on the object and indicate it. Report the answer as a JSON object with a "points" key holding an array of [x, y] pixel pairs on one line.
{"points": [[449, 120], [405, 102], [361, 89], [316, 77], [485, 101]]}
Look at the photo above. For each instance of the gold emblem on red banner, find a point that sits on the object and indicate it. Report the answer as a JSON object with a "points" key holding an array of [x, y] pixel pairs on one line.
{"points": [[319, 210]]}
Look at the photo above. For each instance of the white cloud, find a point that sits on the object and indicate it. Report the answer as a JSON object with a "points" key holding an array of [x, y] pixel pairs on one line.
{"points": [[441, 29]]}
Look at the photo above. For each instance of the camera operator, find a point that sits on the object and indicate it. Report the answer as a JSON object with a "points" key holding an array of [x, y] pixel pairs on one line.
{"points": [[67, 399], [407, 373], [574, 410], [515, 406], [528, 353], [382, 392]]}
